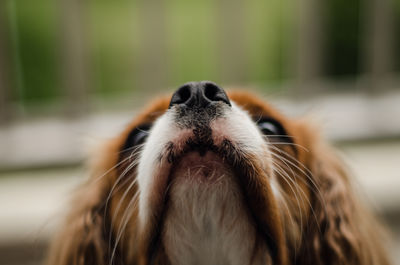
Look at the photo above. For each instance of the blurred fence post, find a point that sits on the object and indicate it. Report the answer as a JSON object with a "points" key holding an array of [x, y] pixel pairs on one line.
{"points": [[5, 82], [378, 42], [309, 52], [151, 63], [231, 34], [74, 69]]}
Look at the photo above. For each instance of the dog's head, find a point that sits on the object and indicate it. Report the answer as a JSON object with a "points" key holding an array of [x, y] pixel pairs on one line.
{"points": [[206, 177]]}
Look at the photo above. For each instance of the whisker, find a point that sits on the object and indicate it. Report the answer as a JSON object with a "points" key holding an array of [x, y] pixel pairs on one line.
{"points": [[309, 175], [134, 148], [124, 222], [286, 178], [285, 161], [280, 136], [258, 119], [122, 175], [289, 213], [290, 144], [110, 169], [119, 205], [307, 200]]}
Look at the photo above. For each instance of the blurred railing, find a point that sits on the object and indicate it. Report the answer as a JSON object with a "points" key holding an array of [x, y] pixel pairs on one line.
{"points": [[5, 85], [377, 51]]}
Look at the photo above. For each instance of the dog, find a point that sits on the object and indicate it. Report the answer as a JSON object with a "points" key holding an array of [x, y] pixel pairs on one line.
{"points": [[206, 177]]}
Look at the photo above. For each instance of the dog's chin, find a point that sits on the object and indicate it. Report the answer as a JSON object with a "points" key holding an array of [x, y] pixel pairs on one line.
{"points": [[206, 219]]}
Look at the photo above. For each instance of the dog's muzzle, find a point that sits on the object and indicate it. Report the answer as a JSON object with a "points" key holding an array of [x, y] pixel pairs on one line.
{"points": [[196, 104]]}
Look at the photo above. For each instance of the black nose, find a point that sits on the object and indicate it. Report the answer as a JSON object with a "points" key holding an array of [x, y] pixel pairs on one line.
{"points": [[199, 94]]}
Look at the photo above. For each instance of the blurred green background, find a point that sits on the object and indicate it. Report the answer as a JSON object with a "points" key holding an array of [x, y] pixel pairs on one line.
{"points": [[126, 46]]}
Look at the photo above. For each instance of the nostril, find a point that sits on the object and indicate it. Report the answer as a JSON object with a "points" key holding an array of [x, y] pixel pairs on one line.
{"points": [[214, 93], [182, 95], [210, 91]]}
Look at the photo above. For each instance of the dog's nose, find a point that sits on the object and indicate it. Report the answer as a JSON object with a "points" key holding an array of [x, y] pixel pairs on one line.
{"points": [[199, 94]]}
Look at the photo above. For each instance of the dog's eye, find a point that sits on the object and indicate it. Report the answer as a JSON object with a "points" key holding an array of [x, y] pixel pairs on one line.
{"points": [[140, 136], [270, 127], [137, 136]]}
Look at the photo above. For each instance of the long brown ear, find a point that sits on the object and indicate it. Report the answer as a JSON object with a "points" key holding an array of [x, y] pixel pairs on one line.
{"points": [[85, 235], [83, 239], [342, 231]]}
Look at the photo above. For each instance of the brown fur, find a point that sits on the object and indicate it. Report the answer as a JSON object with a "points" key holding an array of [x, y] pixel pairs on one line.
{"points": [[331, 225]]}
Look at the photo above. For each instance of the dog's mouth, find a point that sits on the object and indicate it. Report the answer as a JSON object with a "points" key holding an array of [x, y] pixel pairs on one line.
{"points": [[199, 159], [200, 168]]}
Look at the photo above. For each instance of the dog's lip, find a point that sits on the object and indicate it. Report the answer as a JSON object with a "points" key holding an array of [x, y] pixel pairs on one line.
{"points": [[195, 158], [201, 165]]}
